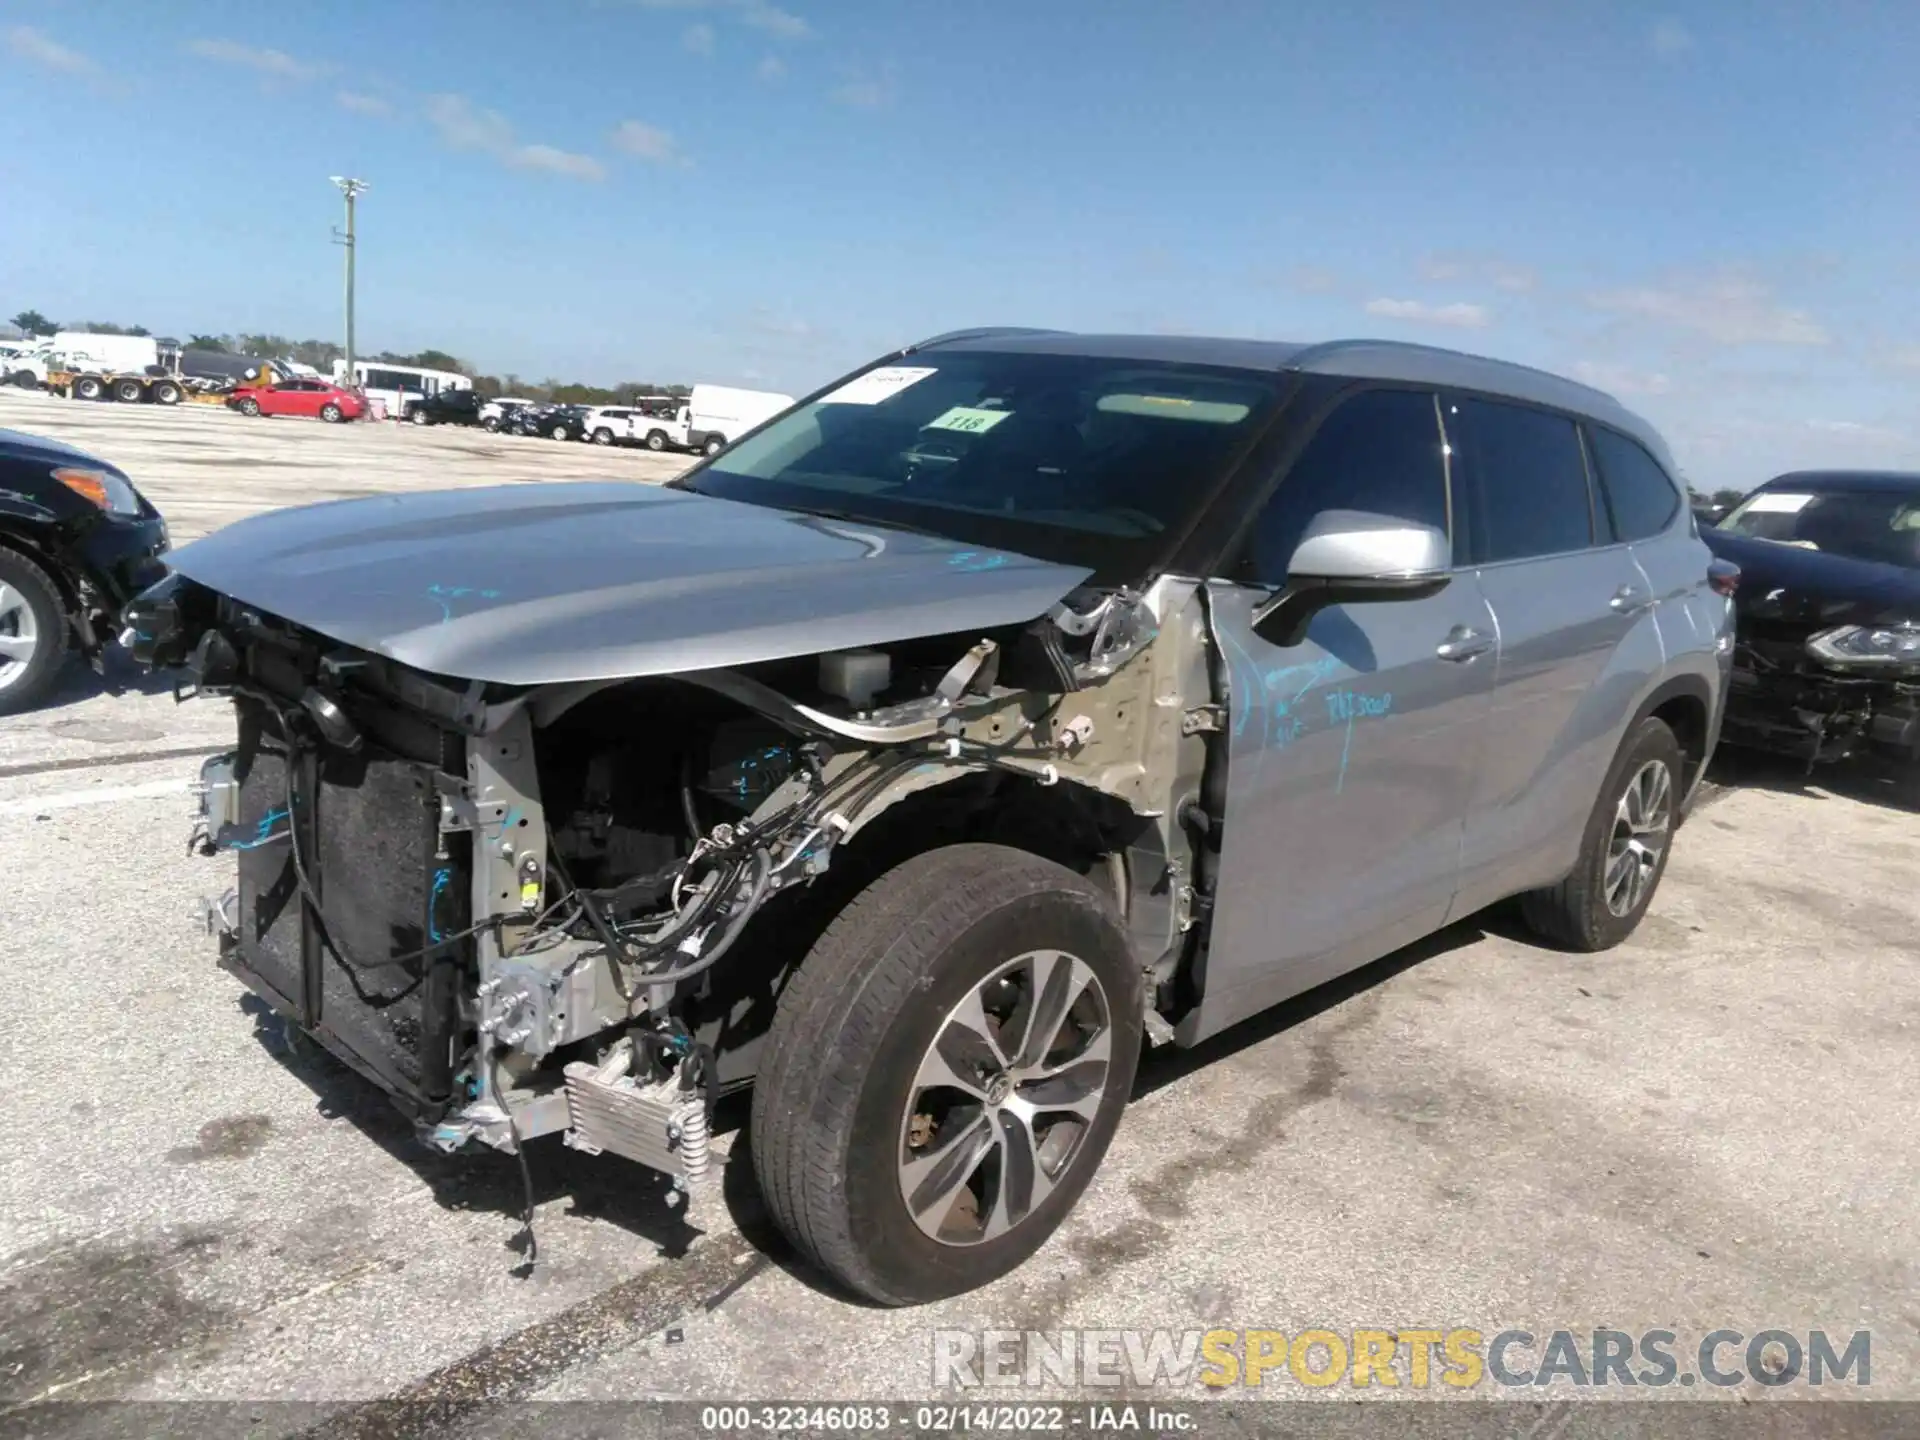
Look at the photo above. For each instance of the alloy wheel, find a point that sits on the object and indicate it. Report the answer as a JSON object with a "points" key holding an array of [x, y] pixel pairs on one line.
{"points": [[1642, 824], [19, 636], [1005, 1098]]}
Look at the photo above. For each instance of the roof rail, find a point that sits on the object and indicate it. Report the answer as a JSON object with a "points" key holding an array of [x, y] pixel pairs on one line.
{"points": [[980, 332]]}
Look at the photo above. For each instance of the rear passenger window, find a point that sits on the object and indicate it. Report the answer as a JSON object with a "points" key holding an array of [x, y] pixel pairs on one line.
{"points": [[1524, 478], [1379, 451], [1640, 497]]}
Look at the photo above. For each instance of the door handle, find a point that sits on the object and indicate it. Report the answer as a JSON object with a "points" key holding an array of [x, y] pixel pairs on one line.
{"points": [[1630, 600], [1463, 643]]}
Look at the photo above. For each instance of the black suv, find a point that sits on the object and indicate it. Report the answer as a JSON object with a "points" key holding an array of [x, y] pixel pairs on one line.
{"points": [[449, 407], [77, 541]]}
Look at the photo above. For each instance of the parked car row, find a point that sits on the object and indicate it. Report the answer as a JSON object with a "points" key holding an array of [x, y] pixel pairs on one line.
{"points": [[706, 420]]}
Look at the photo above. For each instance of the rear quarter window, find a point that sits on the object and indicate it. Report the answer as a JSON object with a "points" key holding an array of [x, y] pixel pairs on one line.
{"points": [[1636, 492]]}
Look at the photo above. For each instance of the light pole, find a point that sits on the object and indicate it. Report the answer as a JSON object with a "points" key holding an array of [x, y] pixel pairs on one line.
{"points": [[352, 189]]}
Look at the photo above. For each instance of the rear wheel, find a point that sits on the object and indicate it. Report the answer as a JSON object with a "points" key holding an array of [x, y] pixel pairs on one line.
{"points": [[945, 1071], [33, 632], [1623, 853], [89, 387], [26, 379], [491, 425], [249, 406], [715, 444], [166, 393], [420, 416], [331, 414], [603, 436], [656, 440], [129, 392], [560, 432]]}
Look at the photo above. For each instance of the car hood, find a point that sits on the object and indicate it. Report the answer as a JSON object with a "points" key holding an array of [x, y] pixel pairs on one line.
{"points": [[540, 584], [1786, 586]]}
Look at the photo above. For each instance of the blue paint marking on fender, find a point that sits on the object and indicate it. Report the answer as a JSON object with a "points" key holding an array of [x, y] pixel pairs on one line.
{"points": [[441, 879], [445, 595], [972, 561]]}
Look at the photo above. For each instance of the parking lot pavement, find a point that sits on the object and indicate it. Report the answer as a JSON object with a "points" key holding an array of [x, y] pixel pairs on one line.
{"points": [[1711, 1127], [206, 466]]}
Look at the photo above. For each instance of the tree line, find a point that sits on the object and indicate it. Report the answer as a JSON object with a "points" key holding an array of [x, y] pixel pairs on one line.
{"points": [[321, 354]]}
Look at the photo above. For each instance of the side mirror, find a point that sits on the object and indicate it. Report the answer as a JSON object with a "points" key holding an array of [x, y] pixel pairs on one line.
{"points": [[1349, 557]]}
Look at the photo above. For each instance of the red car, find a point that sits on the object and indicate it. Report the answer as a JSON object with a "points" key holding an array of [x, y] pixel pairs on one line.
{"points": [[300, 397]]}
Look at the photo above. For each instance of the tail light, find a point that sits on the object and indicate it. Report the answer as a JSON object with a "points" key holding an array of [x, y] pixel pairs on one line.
{"points": [[1724, 577]]}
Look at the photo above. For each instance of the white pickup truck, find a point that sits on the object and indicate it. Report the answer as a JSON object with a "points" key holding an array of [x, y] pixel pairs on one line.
{"points": [[708, 420]]}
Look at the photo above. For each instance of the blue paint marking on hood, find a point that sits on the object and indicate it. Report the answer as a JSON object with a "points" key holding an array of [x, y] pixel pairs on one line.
{"points": [[542, 584]]}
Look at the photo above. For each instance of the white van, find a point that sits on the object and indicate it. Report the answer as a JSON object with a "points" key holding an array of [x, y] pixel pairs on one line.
{"points": [[98, 354], [717, 415]]}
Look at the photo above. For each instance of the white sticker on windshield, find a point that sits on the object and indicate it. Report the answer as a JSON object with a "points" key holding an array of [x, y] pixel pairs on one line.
{"points": [[1778, 502], [968, 420], [876, 385]]}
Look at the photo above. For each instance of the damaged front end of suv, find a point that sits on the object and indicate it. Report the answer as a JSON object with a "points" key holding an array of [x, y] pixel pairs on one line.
{"points": [[532, 843]]}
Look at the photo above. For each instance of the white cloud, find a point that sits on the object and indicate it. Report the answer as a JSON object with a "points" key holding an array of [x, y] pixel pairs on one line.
{"points": [[647, 142], [863, 91], [761, 15], [555, 161], [273, 64], [1459, 314], [362, 104], [1622, 379], [772, 20], [462, 125], [31, 44], [1447, 269], [1728, 309], [1670, 39], [699, 39], [771, 67]]}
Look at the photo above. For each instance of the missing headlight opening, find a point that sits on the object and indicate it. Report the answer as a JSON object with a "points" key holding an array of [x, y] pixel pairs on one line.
{"points": [[569, 908]]}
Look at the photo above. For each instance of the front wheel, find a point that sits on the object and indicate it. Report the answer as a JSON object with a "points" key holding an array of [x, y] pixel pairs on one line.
{"points": [[945, 1071], [89, 387], [330, 414], [420, 417], [603, 436], [33, 632], [715, 444], [1623, 852], [249, 407], [559, 432]]}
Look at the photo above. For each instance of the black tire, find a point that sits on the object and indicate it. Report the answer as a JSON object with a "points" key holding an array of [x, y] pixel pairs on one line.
{"points": [[26, 379], [419, 416], [715, 444], [49, 610], [129, 392], [847, 1041], [249, 406], [331, 414], [656, 440], [560, 432], [603, 436], [89, 387], [166, 393], [1575, 914], [491, 425]]}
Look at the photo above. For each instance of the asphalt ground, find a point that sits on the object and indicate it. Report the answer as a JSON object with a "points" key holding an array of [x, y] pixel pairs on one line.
{"points": [[1712, 1127]]}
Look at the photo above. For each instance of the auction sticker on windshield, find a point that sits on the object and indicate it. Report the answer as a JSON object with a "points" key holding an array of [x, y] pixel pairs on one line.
{"points": [[877, 385], [967, 420], [1778, 503]]}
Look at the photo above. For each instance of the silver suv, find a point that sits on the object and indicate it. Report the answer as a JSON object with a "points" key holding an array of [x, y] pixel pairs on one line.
{"points": [[1011, 703]]}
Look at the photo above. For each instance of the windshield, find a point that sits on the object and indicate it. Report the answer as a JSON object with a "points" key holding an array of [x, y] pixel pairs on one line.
{"points": [[1880, 525], [1081, 459]]}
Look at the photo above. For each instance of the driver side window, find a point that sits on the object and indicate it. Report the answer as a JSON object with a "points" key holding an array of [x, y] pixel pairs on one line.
{"points": [[1379, 451]]}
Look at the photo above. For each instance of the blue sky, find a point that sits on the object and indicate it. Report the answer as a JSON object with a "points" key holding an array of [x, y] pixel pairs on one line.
{"points": [[1709, 209]]}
